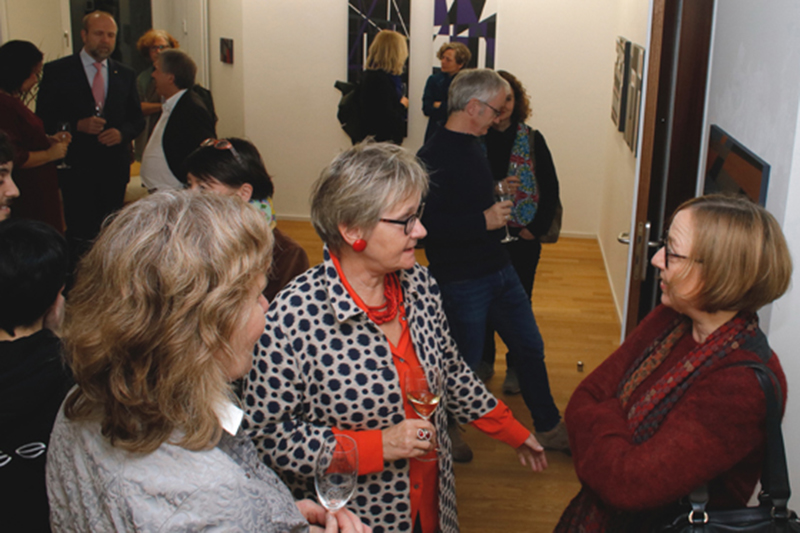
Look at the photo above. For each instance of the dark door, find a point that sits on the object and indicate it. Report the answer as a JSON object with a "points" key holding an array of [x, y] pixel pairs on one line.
{"points": [[133, 18], [671, 135]]}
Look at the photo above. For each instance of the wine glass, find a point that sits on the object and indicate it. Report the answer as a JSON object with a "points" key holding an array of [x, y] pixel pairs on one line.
{"points": [[503, 192], [424, 392], [336, 472], [63, 127]]}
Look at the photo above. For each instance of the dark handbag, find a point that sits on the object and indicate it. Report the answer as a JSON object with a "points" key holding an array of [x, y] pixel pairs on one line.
{"points": [[772, 513], [555, 227], [551, 237]]}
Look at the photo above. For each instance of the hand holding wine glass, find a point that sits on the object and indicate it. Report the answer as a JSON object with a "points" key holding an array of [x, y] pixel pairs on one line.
{"points": [[503, 193], [336, 472], [63, 134], [424, 391]]}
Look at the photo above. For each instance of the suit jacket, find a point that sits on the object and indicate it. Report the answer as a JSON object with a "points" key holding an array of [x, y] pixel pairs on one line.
{"points": [[66, 96], [189, 124]]}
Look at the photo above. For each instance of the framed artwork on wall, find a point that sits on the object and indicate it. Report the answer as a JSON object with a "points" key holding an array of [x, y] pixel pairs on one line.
{"points": [[731, 167], [620, 92], [226, 50], [472, 23], [365, 19], [634, 96]]}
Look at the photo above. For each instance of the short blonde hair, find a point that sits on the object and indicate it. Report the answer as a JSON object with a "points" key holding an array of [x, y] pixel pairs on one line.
{"points": [[150, 320], [362, 183], [388, 52], [462, 53], [742, 252]]}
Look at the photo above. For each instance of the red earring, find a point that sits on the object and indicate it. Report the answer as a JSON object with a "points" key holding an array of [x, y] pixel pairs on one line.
{"points": [[359, 245]]}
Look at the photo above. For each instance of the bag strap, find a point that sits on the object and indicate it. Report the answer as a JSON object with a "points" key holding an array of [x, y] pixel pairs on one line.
{"points": [[775, 490]]}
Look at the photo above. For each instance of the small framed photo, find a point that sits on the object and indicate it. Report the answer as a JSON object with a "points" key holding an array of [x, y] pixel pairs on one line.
{"points": [[226, 50]]}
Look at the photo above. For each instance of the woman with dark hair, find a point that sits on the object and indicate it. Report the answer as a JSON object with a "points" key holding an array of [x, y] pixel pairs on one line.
{"points": [[454, 56], [234, 167], [36, 152], [152, 43], [516, 150]]}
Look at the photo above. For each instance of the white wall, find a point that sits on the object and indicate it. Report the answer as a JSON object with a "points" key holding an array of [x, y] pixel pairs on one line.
{"points": [[227, 81], [24, 20], [754, 95], [562, 51]]}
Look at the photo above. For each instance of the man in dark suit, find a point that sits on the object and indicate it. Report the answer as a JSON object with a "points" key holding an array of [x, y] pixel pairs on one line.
{"points": [[184, 123], [95, 98]]}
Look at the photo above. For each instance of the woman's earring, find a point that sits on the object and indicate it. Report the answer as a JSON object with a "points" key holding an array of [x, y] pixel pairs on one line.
{"points": [[359, 245]]}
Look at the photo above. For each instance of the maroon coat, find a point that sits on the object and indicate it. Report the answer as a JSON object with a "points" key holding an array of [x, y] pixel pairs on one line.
{"points": [[714, 434]]}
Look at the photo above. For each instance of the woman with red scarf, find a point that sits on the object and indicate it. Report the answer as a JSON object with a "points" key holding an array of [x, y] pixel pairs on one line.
{"points": [[340, 339], [668, 411]]}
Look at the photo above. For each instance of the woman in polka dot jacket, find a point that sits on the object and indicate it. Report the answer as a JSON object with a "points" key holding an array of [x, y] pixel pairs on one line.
{"points": [[340, 338]]}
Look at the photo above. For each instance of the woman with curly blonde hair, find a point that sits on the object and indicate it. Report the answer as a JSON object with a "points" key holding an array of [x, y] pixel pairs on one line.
{"points": [[164, 314], [383, 103]]}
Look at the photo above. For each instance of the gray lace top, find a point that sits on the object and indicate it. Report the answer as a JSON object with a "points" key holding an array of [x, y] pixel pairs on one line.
{"points": [[93, 486]]}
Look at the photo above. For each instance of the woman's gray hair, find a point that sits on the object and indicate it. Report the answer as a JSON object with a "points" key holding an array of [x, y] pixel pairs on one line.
{"points": [[482, 84], [361, 184]]}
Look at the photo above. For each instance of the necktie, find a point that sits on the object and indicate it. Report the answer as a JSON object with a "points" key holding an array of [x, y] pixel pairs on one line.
{"points": [[99, 86]]}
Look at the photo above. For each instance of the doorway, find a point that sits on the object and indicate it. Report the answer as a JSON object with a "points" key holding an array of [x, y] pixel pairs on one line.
{"points": [[134, 17], [671, 136]]}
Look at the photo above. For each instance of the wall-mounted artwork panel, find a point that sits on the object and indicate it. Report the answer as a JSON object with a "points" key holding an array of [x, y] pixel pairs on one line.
{"points": [[365, 19], [732, 168], [634, 97], [470, 22], [620, 92]]}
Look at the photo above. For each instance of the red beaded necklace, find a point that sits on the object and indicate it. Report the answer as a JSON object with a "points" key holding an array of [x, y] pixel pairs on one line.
{"points": [[380, 314]]}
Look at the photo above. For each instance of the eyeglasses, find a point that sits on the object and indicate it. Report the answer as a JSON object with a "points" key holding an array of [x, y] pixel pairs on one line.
{"points": [[408, 224], [496, 112], [160, 47], [222, 144], [669, 253]]}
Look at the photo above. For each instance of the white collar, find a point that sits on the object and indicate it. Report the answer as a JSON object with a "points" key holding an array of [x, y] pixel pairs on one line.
{"points": [[230, 416], [170, 102], [89, 60]]}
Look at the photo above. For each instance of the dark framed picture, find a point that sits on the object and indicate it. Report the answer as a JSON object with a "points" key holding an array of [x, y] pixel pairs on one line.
{"points": [[226, 50]]}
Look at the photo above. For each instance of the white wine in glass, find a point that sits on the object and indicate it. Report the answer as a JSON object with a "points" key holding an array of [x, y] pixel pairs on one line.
{"points": [[424, 391], [337, 472], [504, 193], [63, 127]]}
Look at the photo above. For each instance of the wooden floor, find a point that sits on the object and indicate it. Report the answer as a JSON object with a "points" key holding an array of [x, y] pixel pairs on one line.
{"points": [[576, 315]]}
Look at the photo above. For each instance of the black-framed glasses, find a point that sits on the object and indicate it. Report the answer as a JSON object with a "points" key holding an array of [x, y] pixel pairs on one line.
{"points": [[160, 47], [222, 144], [408, 224], [669, 253], [497, 113]]}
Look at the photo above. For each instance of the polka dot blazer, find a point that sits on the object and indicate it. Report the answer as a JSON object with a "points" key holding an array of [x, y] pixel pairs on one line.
{"points": [[321, 363]]}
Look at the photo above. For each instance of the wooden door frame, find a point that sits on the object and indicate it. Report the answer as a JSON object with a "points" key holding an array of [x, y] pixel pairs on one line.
{"points": [[672, 128]]}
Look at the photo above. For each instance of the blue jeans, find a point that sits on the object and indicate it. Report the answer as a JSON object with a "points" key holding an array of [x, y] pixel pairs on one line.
{"points": [[500, 298]]}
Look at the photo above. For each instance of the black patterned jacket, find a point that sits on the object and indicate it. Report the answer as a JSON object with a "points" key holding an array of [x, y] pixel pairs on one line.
{"points": [[322, 363]]}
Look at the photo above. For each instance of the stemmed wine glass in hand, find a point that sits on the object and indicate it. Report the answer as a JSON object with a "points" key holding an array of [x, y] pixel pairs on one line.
{"points": [[424, 390], [504, 192], [337, 471], [63, 128]]}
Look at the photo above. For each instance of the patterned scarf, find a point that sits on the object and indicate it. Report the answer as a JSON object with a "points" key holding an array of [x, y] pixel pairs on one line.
{"points": [[647, 413], [522, 164], [587, 513]]}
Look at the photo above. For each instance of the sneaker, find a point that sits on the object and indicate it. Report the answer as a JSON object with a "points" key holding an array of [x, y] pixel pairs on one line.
{"points": [[461, 451], [556, 439], [511, 383], [485, 371]]}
